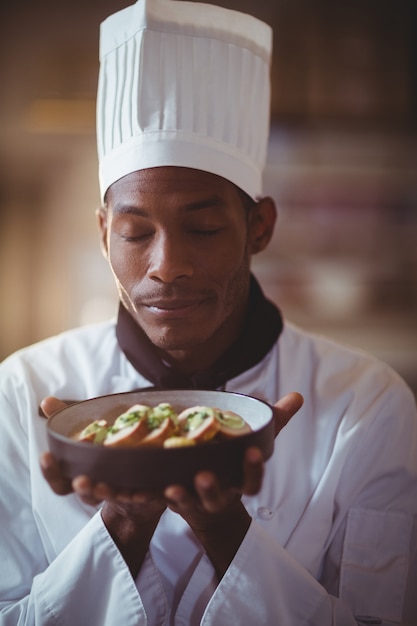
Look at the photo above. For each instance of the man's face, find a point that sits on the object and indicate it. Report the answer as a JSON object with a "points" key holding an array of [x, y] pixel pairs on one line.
{"points": [[178, 244]]}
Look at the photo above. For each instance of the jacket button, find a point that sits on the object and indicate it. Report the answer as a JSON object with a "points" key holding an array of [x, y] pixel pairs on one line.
{"points": [[264, 513]]}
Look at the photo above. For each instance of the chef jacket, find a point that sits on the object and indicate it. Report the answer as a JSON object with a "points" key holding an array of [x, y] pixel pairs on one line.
{"points": [[333, 533]]}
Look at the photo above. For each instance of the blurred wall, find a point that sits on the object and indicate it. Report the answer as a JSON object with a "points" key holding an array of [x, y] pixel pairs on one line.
{"points": [[341, 166]]}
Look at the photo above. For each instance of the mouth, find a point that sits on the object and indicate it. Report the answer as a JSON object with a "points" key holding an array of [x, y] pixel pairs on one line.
{"points": [[171, 309]]}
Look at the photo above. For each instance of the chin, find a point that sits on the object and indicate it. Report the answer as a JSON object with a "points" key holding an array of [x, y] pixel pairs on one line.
{"points": [[176, 343]]}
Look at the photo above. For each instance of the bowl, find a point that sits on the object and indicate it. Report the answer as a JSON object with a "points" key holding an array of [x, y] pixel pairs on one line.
{"points": [[152, 469]]}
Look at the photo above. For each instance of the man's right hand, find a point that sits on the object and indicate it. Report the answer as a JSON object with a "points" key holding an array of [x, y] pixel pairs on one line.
{"points": [[59, 483], [129, 518], [89, 492], [49, 466]]}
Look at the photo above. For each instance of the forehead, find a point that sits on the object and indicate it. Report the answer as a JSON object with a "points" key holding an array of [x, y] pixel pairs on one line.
{"points": [[173, 184]]}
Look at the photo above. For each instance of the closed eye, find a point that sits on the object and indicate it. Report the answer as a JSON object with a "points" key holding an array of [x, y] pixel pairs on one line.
{"points": [[135, 238]]}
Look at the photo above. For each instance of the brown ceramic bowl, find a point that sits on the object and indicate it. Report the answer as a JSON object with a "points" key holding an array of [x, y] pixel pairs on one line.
{"points": [[142, 469]]}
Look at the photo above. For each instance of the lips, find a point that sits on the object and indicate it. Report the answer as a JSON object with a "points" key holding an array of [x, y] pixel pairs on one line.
{"points": [[169, 309], [171, 305]]}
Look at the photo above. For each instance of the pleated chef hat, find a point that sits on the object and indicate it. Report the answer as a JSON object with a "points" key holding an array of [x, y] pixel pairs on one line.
{"points": [[186, 84]]}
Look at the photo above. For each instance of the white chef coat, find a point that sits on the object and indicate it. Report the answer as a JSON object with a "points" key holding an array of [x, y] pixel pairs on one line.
{"points": [[333, 531]]}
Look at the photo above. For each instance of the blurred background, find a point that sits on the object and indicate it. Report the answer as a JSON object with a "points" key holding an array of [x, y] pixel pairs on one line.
{"points": [[342, 167]]}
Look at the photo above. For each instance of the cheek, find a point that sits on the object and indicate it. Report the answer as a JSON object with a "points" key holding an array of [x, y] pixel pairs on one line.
{"points": [[126, 267], [231, 259], [218, 261], [224, 256]]}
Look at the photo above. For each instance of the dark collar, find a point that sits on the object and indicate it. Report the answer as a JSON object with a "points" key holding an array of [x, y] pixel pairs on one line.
{"points": [[262, 327]]}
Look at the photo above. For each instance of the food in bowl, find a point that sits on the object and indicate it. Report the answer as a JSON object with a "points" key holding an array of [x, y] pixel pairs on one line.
{"points": [[143, 425], [154, 467]]}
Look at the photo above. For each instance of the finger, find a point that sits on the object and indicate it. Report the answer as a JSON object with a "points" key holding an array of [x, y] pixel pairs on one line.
{"points": [[211, 495], [51, 405], [145, 497], [285, 408], [89, 492], [137, 497], [182, 501], [53, 475], [253, 471], [179, 499]]}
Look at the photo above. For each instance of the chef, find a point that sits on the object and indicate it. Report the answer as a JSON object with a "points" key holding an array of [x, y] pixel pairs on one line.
{"points": [[323, 533]]}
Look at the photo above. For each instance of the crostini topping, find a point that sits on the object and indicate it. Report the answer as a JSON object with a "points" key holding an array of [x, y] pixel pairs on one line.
{"points": [[161, 426]]}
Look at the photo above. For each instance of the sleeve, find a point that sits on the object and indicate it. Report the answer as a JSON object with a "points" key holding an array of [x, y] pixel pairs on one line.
{"points": [[265, 585], [368, 573], [375, 557], [83, 585], [371, 559], [75, 577]]}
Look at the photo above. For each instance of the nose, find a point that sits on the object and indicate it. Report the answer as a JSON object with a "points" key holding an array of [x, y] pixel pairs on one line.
{"points": [[169, 259]]}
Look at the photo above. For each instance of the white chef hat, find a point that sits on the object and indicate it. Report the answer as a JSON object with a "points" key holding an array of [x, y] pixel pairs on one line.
{"points": [[186, 84]]}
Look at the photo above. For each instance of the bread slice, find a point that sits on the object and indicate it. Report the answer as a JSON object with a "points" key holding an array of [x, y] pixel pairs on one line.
{"points": [[156, 437], [232, 425], [176, 441], [127, 437], [94, 432], [199, 423]]}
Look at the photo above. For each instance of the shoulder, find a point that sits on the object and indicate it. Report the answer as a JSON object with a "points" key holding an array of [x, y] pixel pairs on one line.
{"points": [[330, 371], [357, 410], [51, 363], [331, 358], [72, 341]]}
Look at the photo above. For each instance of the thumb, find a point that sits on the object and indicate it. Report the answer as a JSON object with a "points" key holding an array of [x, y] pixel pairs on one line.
{"points": [[51, 405], [285, 408]]}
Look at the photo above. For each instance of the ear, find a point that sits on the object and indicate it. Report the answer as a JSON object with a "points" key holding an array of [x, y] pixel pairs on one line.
{"points": [[102, 217], [262, 218]]}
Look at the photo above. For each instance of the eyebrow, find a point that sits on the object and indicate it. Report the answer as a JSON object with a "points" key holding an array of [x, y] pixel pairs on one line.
{"points": [[213, 201], [124, 209]]}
